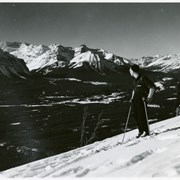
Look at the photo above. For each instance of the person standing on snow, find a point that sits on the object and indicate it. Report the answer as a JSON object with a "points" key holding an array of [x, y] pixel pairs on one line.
{"points": [[142, 94]]}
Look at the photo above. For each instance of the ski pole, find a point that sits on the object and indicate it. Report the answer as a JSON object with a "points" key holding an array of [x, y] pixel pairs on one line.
{"points": [[126, 123], [146, 115]]}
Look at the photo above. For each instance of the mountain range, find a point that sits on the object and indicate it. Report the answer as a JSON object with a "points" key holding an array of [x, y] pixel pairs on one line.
{"points": [[59, 60], [161, 63]]}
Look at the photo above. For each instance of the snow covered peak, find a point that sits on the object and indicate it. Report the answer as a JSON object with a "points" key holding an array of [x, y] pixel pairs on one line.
{"points": [[10, 46], [46, 59], [98, 60], [33, 50], [160, 63], [163, 63], [22, 47], [81, 49], [35, 56]]}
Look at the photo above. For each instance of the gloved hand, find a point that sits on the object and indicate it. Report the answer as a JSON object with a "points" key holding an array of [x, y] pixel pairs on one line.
{"points": [[130, 101], [148, 100]]}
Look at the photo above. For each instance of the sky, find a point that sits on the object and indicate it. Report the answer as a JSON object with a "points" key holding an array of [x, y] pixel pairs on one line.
{"points": [[130, 30]]}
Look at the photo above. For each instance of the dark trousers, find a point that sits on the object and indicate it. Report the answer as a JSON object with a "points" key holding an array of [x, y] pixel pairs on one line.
{"points": [[139, 115]]}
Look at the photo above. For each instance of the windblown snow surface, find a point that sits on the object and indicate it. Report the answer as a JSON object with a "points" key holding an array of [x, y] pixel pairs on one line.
{"points": [[157, 155]]}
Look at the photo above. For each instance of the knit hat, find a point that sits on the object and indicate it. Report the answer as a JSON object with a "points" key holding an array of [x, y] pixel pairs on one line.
{"points": [[135, 68]]}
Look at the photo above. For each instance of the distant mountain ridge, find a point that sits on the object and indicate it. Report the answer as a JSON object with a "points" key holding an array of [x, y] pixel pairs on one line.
{"points": [[45, 59], [160, 63], [57, 59]]}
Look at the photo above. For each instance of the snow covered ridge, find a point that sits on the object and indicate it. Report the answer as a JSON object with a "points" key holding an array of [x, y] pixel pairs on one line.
{"points": [[161, 63], [48, 59], [11, 66], [45, 59], [152, 156], [38, 57]]}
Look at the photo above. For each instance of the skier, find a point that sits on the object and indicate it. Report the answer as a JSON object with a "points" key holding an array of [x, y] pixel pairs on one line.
{"points": [[141, 95]]}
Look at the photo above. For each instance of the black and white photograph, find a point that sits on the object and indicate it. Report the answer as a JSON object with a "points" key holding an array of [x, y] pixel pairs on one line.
{"points": [[89, 89]]}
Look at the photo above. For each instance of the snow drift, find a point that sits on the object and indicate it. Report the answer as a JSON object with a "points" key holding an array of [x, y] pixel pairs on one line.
{"points": [[153, 156]]}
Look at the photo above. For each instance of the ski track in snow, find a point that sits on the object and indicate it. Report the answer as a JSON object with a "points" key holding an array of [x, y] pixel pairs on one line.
{"points": [[152, 156]]}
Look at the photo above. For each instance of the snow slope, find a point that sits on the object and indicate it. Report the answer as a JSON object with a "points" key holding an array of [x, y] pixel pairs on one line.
{"points": [[154, 156]]}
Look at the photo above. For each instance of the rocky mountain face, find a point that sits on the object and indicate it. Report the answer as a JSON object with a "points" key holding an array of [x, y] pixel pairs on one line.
{"points": [[11, 66], [56, 58], [37, 57]]}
